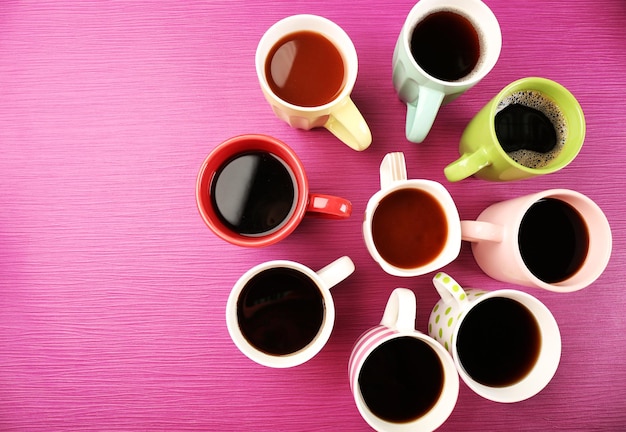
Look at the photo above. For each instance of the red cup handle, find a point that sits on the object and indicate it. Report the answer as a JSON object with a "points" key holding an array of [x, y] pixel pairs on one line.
{"points": [[328, 207]]}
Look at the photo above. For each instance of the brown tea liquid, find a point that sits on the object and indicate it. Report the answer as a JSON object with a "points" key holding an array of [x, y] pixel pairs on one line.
{"points": [[409, 228], [305, 69]]}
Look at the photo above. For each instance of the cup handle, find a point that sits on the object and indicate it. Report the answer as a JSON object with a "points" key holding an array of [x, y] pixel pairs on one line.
{"points": [[336, 271], [400, 312], [328, 207], [420, 114], [468, 164], [392, 169], [449, 290], [347, 123], [475, 231]]}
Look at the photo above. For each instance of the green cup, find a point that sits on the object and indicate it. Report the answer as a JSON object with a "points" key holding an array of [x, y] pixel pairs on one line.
{"points": [[482, 154]]}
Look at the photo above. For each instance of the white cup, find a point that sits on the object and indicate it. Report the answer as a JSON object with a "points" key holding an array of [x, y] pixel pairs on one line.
{"points": [[399, 322], [447, 319], [394, 249], [274, 328]]}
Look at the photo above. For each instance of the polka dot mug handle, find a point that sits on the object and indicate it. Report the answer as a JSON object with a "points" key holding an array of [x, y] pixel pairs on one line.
{"points": [[449, 290], [400, 312]]}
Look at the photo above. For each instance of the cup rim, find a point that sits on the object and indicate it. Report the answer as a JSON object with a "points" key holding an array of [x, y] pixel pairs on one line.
{"points": [[221, 154], [288, 360], [534, 83], [452, 247], [319, 24], [445, 404], [493, 40], [550, 354]]}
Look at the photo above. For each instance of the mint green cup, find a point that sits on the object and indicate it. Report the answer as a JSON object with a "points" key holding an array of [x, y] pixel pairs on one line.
{"points": [[482, 155]]}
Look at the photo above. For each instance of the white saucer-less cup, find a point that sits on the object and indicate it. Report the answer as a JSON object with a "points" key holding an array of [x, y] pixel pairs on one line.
{"points": [[323, 279], [448, 315]]}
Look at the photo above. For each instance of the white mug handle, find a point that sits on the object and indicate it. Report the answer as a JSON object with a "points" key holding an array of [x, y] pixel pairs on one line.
{"points": [[392, 169], [400, 312], [336, 271]]}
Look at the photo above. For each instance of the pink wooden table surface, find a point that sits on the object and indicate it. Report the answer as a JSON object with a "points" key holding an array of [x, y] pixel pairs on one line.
{"points": [[112, 290]]}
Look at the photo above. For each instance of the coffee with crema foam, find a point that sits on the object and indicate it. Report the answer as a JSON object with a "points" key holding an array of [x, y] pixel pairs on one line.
{"points": [[531, 128]]}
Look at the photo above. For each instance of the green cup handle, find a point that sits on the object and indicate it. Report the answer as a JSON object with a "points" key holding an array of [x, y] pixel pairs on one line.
{"points": [[421, 113], [467, 165]]}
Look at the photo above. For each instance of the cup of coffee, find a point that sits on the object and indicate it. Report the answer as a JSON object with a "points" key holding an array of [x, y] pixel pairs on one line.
{"points": [[401, 379], [445, 47], [506, 344], [281, 313], [307, 67], [252, 190], [411, 227], [534, 126], [558, 240]]}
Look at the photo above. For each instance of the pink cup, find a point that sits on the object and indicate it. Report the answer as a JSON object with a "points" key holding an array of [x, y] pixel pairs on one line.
{"points": [[495, 238], [304, 202]]}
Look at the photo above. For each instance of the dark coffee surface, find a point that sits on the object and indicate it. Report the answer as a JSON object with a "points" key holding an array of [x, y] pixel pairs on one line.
{"points": [[553, 240], [409, 228], [305, 69], [498, 342], [521, 127], [280, 311], [253, 193], [446, 45], [401, 380]]}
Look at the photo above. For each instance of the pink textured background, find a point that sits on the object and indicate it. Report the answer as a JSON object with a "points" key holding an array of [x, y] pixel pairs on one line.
{"points": [[112, 291]]}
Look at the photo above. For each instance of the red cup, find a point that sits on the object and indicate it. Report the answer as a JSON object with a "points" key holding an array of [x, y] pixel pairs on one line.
{"points": [[305, 203]]}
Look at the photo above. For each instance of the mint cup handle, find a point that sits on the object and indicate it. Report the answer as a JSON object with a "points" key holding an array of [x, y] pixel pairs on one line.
{"points": [[420, 114], [467, 165], [400, 312]]}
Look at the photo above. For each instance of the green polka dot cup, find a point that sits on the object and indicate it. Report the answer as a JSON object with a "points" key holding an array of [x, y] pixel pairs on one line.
{"points": [[506, 344]]}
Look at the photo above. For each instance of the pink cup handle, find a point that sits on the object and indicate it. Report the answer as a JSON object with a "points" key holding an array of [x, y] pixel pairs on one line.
{"points": [[328, 207], [475, 231]]}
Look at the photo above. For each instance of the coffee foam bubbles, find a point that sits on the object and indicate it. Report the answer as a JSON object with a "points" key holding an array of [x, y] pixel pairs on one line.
{"points": [[537, 100]]}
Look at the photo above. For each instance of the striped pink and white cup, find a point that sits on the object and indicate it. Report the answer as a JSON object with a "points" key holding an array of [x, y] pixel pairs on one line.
{"points": [[391, 370]]}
